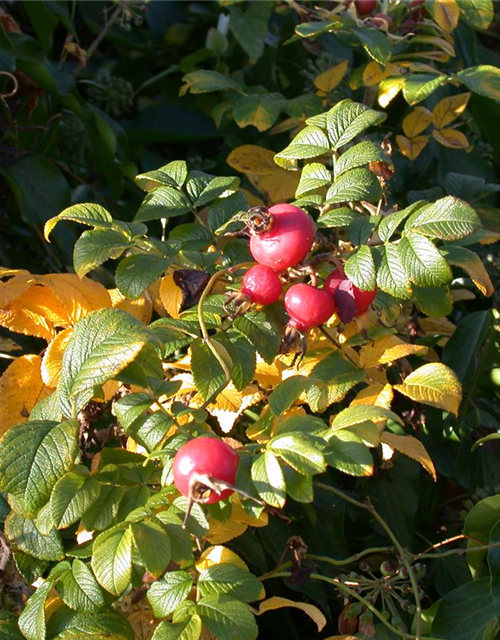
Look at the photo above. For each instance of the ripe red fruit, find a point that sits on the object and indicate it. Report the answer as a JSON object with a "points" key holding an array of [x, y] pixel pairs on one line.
{"points": [[207, 459], [261, 284], [364, 7], [363, 298], [418, 11], [382, 21], [288, 240], [307, 306]]}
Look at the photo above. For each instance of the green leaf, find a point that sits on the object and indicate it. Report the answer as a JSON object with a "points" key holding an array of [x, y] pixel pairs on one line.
{"points": [[300, 451], [360, 268], [418, 87], [93, 248], [308, 143], [101, 513], [375, 43], [130, 407], [347, 453], [79, 589], [465, 613], [24, 535], [208, 374], [483, 79], [479, 524], [189, 629], [173, 174], [153, 546], [479, 13], [462, 349], [135, 273], [298, 486], [180, 540], [332, 379], [32, 619], [163, 202], [391, 222], [362, 228], [268, 479], [250, 27], [433, 301], [33, 456], [391, 275], [423, 262], [313, 176], [230, 580], [260, 332], [223, 209], [448, 219], [494, 564], [91, 214], [286, 393], [72, 495], [203, 81], [108, 624], [197, 523], [213, 189], [9, 629], [360, 155], [259, 109], [166, 594], [242, 355], [101, 346], [112, 558], [354, 186], [361, 413], [348, 119], [226, 618], [342, 217]]}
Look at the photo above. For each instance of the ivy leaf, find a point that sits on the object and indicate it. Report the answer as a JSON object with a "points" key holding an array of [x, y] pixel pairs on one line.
{"points": [[93, 248], [423, 262], [79, 589], [391, 275], [72, 495], [300, 451], [227, 618], [354, 186], [260, 332], [32, 619], [163, 202], [448, 219], [166, 594], [434, 384], [152, 545], [268, 479], [112, 558], [33, 456], [347, 452], [135, 273], [348, 119], [360, 269], [230, 580]]}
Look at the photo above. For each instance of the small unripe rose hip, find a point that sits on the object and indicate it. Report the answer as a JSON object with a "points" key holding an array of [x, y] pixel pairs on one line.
{"points": [[287, 241], [205, 457], [261, 284], [307, 306]]}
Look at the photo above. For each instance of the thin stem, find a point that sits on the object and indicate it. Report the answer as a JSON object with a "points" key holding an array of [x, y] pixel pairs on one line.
{"points": [[104, 32], [458, 552], [350, 559], [401, 552]]}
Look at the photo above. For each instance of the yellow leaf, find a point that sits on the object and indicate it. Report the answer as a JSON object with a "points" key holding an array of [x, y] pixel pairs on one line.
{"points": [[446, 13], [411, 447], [250, 158], [218, 555], [446, 46], [328, 80], [252, 199], [449, 109], [13, 289], [374, 73], [170, 295], [231, 403], [440, 326], [472, 264], [411, 148], [52, 358], [21, 319], [276, 602], [387, 349], [80, 296], [43, 302], [452, 138], [380, 395], [279, 186], [238, 513], [434, 384], [21, 387], [389, 89], [417, 121], [141, 308], [268, 375], [154, 293], [224, 531]]}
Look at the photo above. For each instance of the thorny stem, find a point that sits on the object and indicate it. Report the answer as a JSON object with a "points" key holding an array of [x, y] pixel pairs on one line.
{"points": [[401, 552]]}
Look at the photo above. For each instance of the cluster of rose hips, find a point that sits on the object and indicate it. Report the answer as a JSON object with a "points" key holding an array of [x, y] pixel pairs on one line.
{"points": [[280, 239], [384, 21]]}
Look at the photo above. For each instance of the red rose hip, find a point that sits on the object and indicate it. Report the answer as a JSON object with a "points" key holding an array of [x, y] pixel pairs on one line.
{"points": [[307, 306], [261, 284], [364, 7], [208, 459], [363, 298], [288, 239]]}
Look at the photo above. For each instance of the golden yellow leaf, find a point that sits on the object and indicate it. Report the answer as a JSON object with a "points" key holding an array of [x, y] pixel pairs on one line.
{"points": [[42, 302], [52, 604], [434, 384], [141, 308], [21, 319], [154, 293], [241, 515], [80, 296], [13, 289], [446, 13], [52, 358], [252, 199], [417, 121], [411, 447], [380, 395], [387, 349], [231, 403], [444, 44], [389, 89], [221, 532], [278, 186], [449, 109], [374, 73], [472, 264], [21, 387], [170, 295], [249, 158], [218, 555], [268, 375], [440, 326], [276, 602], [452, 139], [411, 147], [328, 80]]}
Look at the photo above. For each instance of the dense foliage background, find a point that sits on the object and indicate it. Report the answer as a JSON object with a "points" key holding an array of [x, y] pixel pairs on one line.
{"points": [[181, 115]]}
